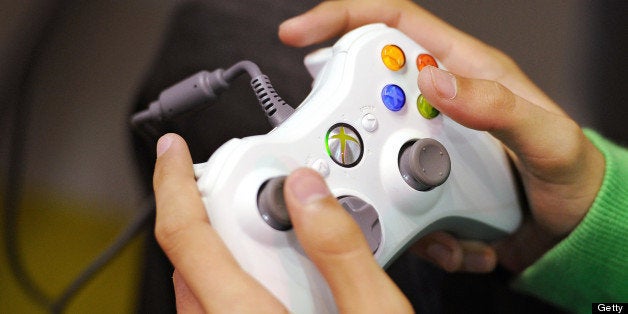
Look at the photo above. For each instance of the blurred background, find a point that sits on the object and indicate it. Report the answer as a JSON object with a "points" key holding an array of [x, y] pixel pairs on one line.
{"points": [[72, 72]]}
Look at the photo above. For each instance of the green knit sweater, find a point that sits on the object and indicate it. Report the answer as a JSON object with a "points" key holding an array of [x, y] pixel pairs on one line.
{"points": [[591, 264]]}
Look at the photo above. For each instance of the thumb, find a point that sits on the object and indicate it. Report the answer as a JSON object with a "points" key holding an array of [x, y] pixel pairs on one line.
{"points": [[561, 170], [336, 245], [525, 128]]}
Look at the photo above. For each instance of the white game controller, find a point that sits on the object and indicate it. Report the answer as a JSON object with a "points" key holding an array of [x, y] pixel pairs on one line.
{"points": [[397, 165]]}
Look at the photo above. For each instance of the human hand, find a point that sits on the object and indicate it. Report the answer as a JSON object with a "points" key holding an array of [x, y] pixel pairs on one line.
{"points": [[208, 279], [560, 169]]}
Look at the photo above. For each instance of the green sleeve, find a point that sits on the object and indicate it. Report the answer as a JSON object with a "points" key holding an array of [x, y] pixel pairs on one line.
{"points": [[591, 264]]}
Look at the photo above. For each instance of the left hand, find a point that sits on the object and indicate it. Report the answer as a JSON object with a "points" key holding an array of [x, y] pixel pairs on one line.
{"points": [[208, 278]]}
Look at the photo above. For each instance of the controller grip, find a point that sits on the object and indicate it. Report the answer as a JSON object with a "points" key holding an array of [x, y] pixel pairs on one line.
{"points": [[465, 228], [315, 61]]}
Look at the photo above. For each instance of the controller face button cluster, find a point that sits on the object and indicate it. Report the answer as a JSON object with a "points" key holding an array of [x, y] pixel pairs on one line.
{"points": [[344, 145], [367, 218], [393, 97], [272, 205], [393, 57], [424, 164]]}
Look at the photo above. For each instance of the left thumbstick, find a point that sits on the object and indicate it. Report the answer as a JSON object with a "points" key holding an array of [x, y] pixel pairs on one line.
{"points": [[272, 205]]}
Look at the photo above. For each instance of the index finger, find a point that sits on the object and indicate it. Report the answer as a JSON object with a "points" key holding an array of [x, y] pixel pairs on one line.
{"points": [[333, 18], [192, 245], [458, 51]]}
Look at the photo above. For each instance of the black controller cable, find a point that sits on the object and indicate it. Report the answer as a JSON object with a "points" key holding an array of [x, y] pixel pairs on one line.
{"points": [[188, 95]]}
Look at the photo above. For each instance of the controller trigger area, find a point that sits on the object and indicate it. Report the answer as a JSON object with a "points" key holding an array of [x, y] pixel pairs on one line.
{"points": [[315, 61]]}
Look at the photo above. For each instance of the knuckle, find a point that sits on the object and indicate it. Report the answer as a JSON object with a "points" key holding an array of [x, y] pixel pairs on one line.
{"points": [[560, 164], [503, 59], [494, 64], [168, 232], [498, 101], [570, 148], [502, 99]]}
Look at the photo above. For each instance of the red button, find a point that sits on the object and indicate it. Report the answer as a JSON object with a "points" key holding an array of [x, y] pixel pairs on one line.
{"points": [[424, 60]]}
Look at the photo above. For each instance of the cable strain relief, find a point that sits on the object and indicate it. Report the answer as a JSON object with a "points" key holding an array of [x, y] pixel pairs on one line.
{"points": [[275, 108], [192, 93], [216, 82]]}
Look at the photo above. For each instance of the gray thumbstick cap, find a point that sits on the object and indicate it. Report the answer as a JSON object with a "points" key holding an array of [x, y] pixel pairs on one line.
{"points": [[271, 204], [424, 164], [367, 218]]}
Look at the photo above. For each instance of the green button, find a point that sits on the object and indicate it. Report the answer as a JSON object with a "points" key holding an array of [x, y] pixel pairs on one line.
{"points": [[425, 109]]}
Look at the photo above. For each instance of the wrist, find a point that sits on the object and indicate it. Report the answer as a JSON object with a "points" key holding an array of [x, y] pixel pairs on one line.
{"points": [[589, 264]]}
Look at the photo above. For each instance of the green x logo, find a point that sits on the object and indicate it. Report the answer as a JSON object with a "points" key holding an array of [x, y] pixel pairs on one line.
{"points": [[344, 145]]}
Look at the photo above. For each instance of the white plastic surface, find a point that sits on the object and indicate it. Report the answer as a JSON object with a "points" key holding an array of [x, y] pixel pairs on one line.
{"points": [[479, 188], [315, 61]]}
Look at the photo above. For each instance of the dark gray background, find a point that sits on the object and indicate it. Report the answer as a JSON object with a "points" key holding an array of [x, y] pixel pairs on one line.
{"points": [[82, 67]]}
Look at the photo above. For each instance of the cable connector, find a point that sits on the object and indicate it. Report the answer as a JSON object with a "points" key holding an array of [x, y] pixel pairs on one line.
{"points": [[193, 93], [199, 90]]}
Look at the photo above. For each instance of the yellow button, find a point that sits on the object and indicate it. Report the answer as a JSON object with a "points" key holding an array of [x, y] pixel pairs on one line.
{"points": [[393, 57]]}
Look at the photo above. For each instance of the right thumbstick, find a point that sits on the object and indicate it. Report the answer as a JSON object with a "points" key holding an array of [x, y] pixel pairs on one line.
{"points": [[424, 164]]}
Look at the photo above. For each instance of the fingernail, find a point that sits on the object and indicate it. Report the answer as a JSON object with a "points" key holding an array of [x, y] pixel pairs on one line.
{"points": [[308, 187], [163, 144], [444, 82], [438, 253]]}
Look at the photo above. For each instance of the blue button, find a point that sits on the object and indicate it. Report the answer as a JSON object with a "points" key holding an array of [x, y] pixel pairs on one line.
{"points": [[393, 97]]}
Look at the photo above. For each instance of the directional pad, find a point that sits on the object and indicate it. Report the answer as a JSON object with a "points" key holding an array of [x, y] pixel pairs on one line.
{"points": [[367, 218], [393, 97]]}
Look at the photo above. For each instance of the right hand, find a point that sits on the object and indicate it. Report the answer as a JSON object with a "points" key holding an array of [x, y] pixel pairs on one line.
{"points": [[560, 168]]}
